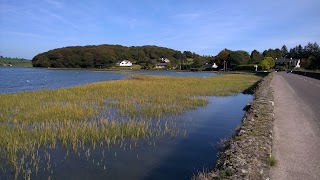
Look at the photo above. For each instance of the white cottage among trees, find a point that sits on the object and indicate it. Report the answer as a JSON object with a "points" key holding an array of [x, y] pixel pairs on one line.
{"points": [[124, 63]]}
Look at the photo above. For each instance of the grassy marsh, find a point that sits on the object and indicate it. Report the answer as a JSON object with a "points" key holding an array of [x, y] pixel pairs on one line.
{"points": [[102, 113]]}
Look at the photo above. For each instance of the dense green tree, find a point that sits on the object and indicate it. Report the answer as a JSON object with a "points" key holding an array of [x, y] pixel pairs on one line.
{"points": [[267, 63], [312, 48], [297, 52], [271, 61], [199, 62], [256, 57], [221, 57], [42, 61], [87, 60], [188, 54], [73, 60], [312, 54], [238, 58], [274, 53], [284, 51], [309, 55]]}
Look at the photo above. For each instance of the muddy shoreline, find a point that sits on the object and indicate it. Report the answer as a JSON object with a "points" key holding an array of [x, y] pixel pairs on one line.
{"points": [[246, 155]]}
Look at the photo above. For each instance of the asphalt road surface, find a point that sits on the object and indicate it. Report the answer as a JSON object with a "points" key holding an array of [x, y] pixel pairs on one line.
{"points": [[297, 127], [307, 89]]}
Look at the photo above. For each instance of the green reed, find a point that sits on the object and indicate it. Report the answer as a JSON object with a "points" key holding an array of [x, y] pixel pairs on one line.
{"points": [[102, 113]]}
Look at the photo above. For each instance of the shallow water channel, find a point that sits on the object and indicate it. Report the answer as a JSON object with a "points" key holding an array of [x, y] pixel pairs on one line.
{"points": [[191, 149]]}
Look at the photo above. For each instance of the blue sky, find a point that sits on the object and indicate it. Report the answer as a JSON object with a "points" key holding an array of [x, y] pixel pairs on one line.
{"points": [[30, 27]]}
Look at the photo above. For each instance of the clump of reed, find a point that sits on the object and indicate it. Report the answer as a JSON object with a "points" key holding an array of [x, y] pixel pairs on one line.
{"points": [[150, 96], [102, 113]]}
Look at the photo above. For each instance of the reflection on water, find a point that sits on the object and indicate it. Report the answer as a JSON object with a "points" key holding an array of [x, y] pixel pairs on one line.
{"points": [[177, 156]]}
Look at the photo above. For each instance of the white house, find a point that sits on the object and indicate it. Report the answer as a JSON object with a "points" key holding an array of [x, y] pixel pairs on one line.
{"points": [[124, 63], [209, 67], [165, 60], [214, 65]]}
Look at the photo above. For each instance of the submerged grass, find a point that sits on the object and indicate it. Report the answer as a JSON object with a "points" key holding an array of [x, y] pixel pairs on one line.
{"points": [[102, 112]]}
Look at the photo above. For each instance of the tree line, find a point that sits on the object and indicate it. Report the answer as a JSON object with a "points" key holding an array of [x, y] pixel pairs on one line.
{"points": [[104, 56], [309, 56]]}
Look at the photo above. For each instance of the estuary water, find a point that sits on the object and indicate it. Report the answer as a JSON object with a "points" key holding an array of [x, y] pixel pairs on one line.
{"points": [[14, 79], [170, 158], [181, 156]]}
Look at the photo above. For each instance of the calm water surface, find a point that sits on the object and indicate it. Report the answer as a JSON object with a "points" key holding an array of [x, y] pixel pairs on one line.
{"points": [[14, 79], [177, 157], [29, 79]]}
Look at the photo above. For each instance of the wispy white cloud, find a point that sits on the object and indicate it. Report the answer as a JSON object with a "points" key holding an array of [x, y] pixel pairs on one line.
{"points": [[55, 3], [14, 7], [23, 34], [129, 22], [63, 20], [192, 17], [189, 15]]}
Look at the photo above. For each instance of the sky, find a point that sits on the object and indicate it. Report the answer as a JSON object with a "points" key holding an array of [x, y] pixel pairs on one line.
{"points": [[30, 27]]}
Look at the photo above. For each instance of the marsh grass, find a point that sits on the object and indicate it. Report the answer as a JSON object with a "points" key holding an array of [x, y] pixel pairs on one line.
{"points": [[102, 113]]}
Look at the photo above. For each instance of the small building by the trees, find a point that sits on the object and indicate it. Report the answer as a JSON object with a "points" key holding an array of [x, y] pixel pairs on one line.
{"points": [[165, 60], [210, 67], [125, 63], [286, 63]]}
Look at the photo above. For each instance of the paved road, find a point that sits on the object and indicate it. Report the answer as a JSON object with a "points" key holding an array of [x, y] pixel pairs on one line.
{"points": [[296, 127], [307, 89]]}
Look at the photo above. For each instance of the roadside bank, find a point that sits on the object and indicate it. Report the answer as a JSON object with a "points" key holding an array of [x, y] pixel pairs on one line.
{"points": [[247, 154]]}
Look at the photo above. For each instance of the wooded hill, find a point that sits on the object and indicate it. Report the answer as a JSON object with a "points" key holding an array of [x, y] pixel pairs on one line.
{"points": [[104, 56]]}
